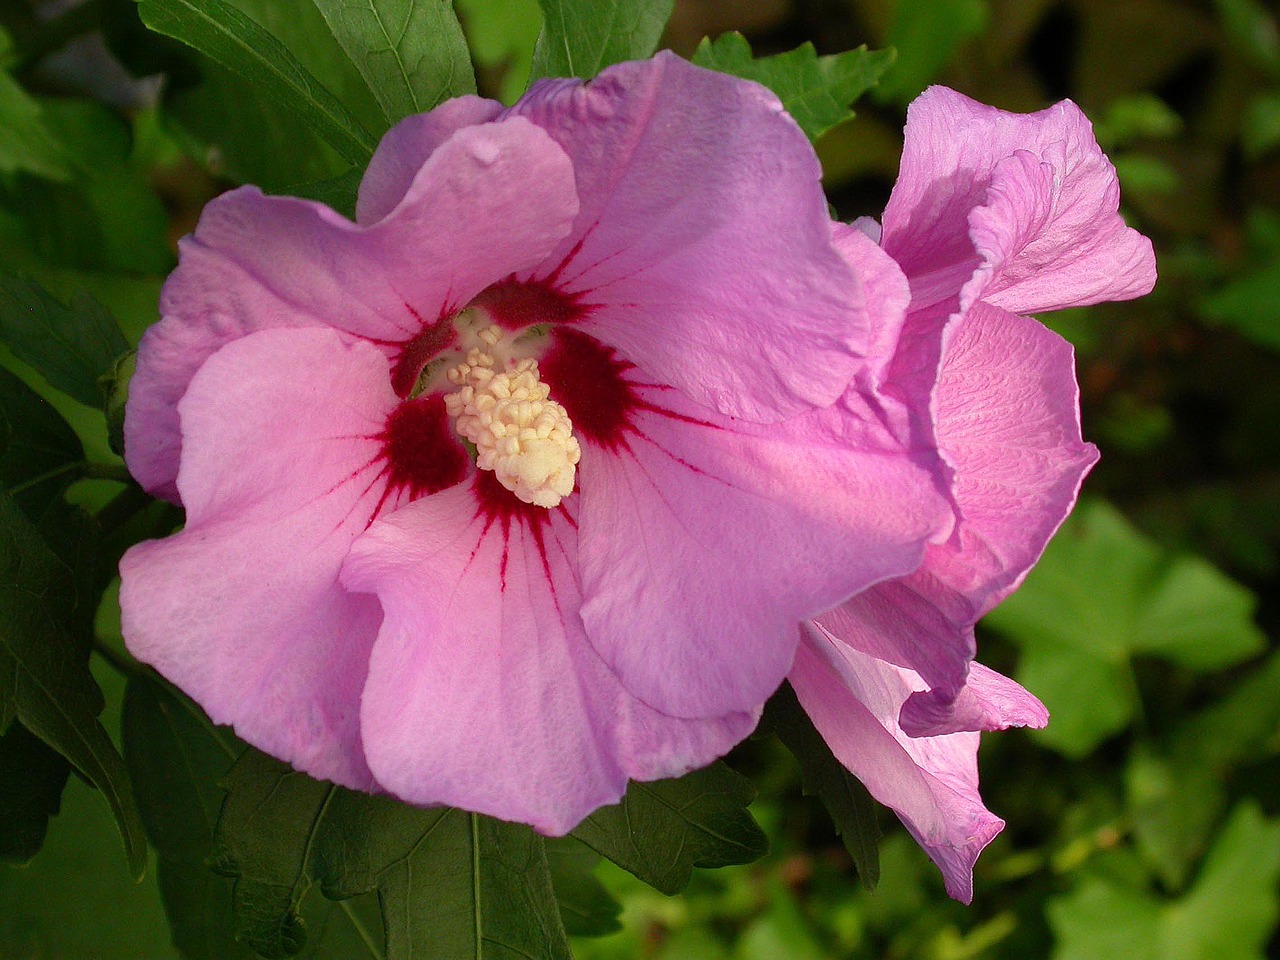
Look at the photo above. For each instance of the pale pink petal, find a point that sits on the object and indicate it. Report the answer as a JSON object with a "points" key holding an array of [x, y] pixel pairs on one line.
{"points": [[405, 148], [242, 609], [1048, 233], [700, 195], [705, 541], [931, 783], [483, 691], [1048, 241], [916, 622], [989, 701], [884, 294], [490, 200], [1008, 420]]}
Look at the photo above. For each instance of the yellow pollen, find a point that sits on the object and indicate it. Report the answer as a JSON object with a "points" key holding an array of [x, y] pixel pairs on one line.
{"points": [[519, 432]]}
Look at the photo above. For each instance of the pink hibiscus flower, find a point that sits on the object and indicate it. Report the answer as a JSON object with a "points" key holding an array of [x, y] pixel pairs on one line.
{"points": [[994, 215], [518, 486]]}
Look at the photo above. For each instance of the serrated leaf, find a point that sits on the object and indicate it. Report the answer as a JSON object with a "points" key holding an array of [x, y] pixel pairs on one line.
{"points": [[663, 829], [823, 776], [70, 346], [226, 35], [816, 91], [44, 679], [456, 886], [580, 38], [26, 142], [31, 780], [452, 885], [587, 909], [1101, 594], [412, 53], [176, 758], [1227, 914]]}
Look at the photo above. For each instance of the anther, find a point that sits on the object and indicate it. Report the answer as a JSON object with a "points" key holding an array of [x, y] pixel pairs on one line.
{"points": [[519, 432]]}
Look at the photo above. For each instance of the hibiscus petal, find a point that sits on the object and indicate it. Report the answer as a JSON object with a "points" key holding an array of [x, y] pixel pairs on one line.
{"points": [[705, 541], [931, 783], [1008, 421], [884, 294], [483, 692], [699, 194], [916, 622], [490, 200], [1008, 418], [1044, 247], [1029, 197], [406, 147], [242, 609], [989, 701]]}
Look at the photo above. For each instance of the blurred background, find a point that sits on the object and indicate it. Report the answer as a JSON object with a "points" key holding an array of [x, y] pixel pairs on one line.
{"points": [[1145, 821]]}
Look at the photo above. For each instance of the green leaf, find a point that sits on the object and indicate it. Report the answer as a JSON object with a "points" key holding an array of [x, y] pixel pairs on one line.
{"points": [[927, 34], [226, 35], [229, 126], [26, 143], [31, 780], [663, 829], [452, 885], [108, 216], [1175, 794], [175, 758], [1101, 594], [412, 53], [502, 37], [75, 901], [587, 909], [44, 680], [1227, 915], [70, 346], [42, 455], [1248, 304], [338, 192], [823, 776], [581, 37], [816, 91]]}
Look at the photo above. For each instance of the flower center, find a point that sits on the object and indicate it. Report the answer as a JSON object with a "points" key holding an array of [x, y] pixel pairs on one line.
{"points": [[504, 409]]}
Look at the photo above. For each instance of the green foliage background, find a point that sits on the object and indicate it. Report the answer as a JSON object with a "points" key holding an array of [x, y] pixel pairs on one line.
{"points": [[1143, 823]]}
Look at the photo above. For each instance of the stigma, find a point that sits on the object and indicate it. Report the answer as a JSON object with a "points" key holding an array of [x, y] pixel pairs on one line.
{"points": [[505, 410]]}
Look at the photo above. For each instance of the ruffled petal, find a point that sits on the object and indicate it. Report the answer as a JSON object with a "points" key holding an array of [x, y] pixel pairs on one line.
{"points": [[242, 609], [705, 541], [931, 783], [989, 701], [405, 148], [916, 622], [1008, 418], [699, 195], [885, 296], [1049, 235], [491, 200], [1008, 421], [483, 691], [1028, 199]]}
